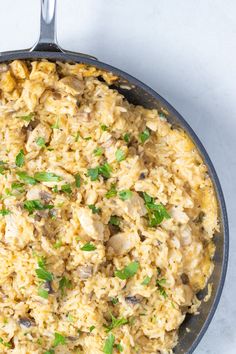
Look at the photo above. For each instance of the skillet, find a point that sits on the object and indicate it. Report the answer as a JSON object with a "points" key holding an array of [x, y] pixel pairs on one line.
{"points": [[139, 93]]}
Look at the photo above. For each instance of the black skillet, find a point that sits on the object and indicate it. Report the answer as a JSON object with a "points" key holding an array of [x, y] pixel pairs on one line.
{"points": [[47, 47]]}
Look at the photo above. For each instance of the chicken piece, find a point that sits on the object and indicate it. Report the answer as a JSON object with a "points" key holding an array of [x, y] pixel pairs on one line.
{"points": [[123, 242], [72, 85], [31, 93], [129, 172], [44, 71], [134, 206], [19, 69], [40, 131], [85, 272], [39, 192], [179, 215], [56, 103], [91, 224], [186, 235], [7, 82], [18, 231]]}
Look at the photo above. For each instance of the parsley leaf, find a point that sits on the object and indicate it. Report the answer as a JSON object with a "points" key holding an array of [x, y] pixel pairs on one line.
{"points": [[127, 272], [91, 328], [35, 204], [115, 322], [159, 284], [108, 347], [119, 347], [46, 177], [27, 118], [94, 209], [77, 180], [114, 300], [20, 159], [5, 344], [43, 293], [126, 137], [114, 220], [59, 339], [56, 124], [103, 170], [112, 192], [18, 186], [40, 142], [66, 188], [26, 178], [4, 212], [88, 247], [104, 127], [57, 244], [98, 151], [50, 351], [120, 155], [93, 173], [125, 194], [145, 135], [64, 283], [146, 280], [156, 212], [43, 274]]}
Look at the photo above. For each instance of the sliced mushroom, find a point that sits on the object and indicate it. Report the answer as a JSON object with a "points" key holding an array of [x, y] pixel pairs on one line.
{"points": [[48, 286], [85, 272], [133, 300], [27, 322], [184, 278]]}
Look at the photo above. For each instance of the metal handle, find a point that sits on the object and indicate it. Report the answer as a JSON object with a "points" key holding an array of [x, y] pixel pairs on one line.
{"points": [[48, 36]]}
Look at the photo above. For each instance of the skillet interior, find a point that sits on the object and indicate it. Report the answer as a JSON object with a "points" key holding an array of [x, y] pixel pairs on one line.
{"points": [[145, 96]]}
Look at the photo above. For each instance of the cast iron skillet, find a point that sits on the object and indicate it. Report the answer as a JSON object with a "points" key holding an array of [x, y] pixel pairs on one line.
{"points": [[47, 47]]}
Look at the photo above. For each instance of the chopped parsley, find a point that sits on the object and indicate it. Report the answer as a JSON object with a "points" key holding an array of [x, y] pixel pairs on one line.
{"points": [[50, 351], [114, 300], [35, 204], [77, 180], [57, 244], [59, 339], [26, 178], [98, 151], [17, 186], [46, 177], [66, 188], [41, 271], [145, 135], [103, 170], [127, 272], [114, 220], [156, 212], [159, 284], [115, 322], [40, 142], [91, 328], [27, 118], [87, 138], [43, 293], [4, 212], [112, 192], [56, 124], [20, 159], [120, 155], [126, 137], [119, 347], [94, 209], [5, 344], [125, 194], [146, 280], [104, 127], [88, 247], [109, 344], [64, 283]]}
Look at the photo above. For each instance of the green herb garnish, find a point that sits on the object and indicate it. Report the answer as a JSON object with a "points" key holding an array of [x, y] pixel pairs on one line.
{"points": [[94, 209], [114, 220], [159, 284], [88, 247], [50, 351], [115, 322], [114, 300], [56, 125], [64, 283], [77, 180], [41, 271], [35, 204], [57, 244], [127, 272], [145, 135], [98, 151], [46, 177], [66, 188], [40, 142], [103, 170], [119, 347], [108, 347], [91, 328], [146, 281], [120, 155], [59, 339], [27, 118], [43, 293], [156, 212], [17, 186], [4, 212], [5, 344], [20, 159], [26, 178], [112, 192], [104, 127], [126, 137], [125, 194]]}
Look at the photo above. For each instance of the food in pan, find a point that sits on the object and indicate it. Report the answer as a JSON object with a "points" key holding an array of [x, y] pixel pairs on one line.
{"points": [[107, 216]]}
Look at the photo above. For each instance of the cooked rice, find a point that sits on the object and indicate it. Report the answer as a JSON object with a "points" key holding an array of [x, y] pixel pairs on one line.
{"points": [[63, 119]]}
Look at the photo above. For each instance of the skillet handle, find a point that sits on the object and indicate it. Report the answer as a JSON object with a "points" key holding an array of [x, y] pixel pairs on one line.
{"points": [[47, 41]]}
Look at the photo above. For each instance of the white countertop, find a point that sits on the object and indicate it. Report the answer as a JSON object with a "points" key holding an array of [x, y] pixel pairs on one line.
{"points": [[186, 51]]}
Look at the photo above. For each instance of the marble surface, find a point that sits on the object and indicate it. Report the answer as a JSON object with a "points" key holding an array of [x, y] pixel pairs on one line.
{"points": [[185, 50]]}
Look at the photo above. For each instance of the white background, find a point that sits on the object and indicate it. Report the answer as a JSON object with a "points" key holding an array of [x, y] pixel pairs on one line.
{"points": [[185, 50]]}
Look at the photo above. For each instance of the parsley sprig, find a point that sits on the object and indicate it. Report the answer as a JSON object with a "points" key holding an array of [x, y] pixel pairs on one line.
{"points": [[103, 170], [127, 272], [156, 212], [115, 322]]}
